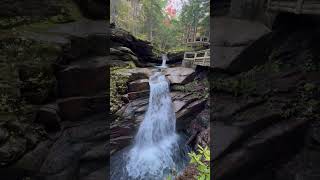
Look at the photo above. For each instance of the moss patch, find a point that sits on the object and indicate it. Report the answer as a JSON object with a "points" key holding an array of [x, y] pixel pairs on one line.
{"points": [[118, 86]]}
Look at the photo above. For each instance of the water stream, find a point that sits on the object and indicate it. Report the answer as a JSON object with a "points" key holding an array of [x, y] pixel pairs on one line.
{"points": [[164, 61], [157, 149], [164, 58]]}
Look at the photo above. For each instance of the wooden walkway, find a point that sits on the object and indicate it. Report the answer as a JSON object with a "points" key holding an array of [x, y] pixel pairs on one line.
{"points": [[311, 7], [201, 58]]}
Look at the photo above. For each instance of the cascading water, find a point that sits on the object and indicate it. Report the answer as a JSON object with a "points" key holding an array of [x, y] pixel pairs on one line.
{"points": [[164, 58], [164, 61], [157, 149], [156, 140]]}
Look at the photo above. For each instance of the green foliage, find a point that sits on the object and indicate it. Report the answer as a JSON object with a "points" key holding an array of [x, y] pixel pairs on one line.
{"points": [[202, 162], [26, 75], [199, 89], [147, 20], [237, 86], [310, 66], [118, 87]]}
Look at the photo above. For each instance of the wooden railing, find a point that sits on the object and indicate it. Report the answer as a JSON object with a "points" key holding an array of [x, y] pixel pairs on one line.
{"points": [[202, 40], [295, 6], [201, 58]]}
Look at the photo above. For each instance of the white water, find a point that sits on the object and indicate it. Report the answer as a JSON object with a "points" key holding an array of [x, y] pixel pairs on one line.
{"points": [[164, 61], [156, 141]]}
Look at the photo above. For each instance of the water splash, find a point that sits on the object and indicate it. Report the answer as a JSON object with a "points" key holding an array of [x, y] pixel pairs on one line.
{"points": [[157, 148], [156, 141]]}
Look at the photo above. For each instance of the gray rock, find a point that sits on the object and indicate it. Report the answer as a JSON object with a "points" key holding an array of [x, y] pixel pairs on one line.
{"points": [[32, 161], [48, 115], [136, 95], [11, 150], [138, 85], [4, 134], [76, 79], [76, 108], [231, 38], [223, 137], [274, 141], [180, 75]]}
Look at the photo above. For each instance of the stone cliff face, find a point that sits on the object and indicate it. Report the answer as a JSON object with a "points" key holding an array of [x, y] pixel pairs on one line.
{"points": [[270, 108], [52, 126]]}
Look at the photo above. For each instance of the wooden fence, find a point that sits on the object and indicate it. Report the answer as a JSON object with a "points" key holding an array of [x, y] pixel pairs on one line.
{"points": [[198, 41], [311, 7], [201, 58]]}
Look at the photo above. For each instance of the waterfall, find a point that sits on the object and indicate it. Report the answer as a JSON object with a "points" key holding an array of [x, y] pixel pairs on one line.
{"points": [[156, 142], [164, 61]]}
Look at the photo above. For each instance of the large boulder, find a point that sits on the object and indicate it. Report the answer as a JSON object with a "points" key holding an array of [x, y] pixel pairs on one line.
{"points": [[138, 85], [260, 149], [122, 38], [12, 150], [233, 39], [180, 75], [48, 115], [76, 108], [75, 79]]}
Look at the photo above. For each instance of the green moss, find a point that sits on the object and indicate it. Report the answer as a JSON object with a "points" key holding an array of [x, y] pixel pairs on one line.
{"points": [[118, 87], [26, 75], [199, 89], [237, 86], [69, 12]]}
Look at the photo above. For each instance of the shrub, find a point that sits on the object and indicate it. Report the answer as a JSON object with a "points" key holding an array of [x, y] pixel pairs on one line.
{"points": [[202, 162]]}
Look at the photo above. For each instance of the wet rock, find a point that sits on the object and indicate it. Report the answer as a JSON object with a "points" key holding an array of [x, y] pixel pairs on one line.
{"points": [[136, 95], [138, 85], [180, 75], [79, 144], [85, 38], [95, 9], [178, 105], [48, 115], [11, 150], [121, 135], [257, 117], [77, 77], [191, 109], [287, 83], [32, 161], [203, 139], [140, 73], [223, 137], [260, 149], [96, 152], [98, 174], [188, 173], [45, 8], [75, 108], [4, 134], [230, 47], [226, 106]]}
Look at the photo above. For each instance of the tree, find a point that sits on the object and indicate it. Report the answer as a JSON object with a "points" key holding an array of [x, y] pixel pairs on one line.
{"points": [[155, 20]]}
